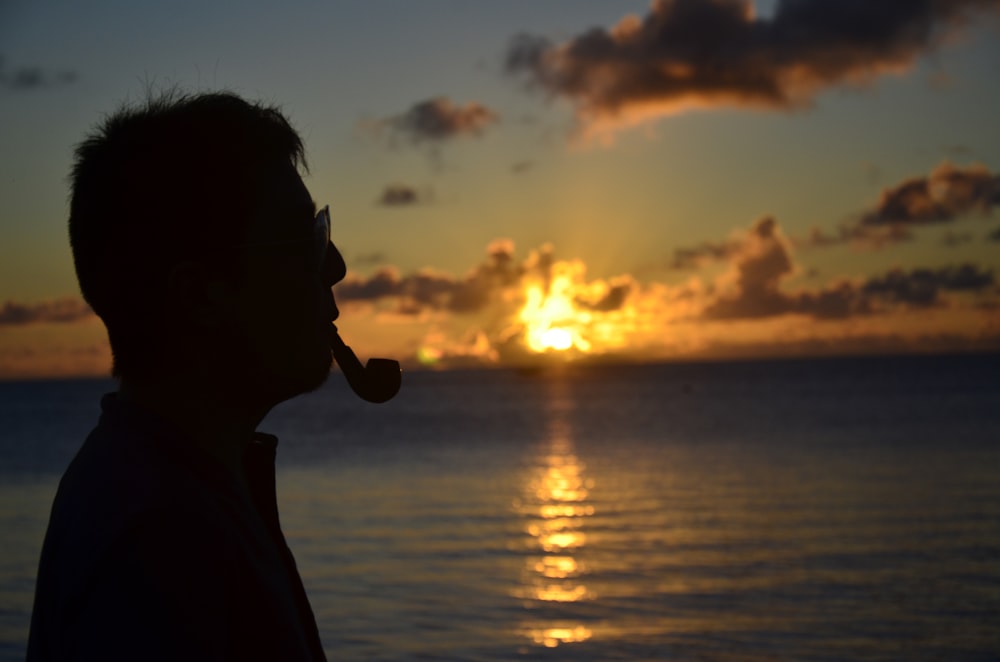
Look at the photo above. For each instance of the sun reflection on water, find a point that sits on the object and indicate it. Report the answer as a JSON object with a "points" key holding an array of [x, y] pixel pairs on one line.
{"points": [[556, 507], [552, 637]]}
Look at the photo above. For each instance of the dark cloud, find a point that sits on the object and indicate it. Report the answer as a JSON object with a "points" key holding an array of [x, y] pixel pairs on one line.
{"points": [[711, 53], [401, 195], [730, 249], [612, 300], [426, 289], [31, 78], [497, 284], [703, 253], [383, 283], [760, 262], [765, 261], [64, 310], [369, 259], [920, 288], [948, 193], [859, 236], [522, 167], [438, 120], [819, 238]]}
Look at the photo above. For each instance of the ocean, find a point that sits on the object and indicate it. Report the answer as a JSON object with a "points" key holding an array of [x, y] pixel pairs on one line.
{"points": [[838, 509]]}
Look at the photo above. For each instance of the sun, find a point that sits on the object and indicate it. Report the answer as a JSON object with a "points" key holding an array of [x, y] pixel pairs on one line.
{"points": [[556, 338], [551, 321]]}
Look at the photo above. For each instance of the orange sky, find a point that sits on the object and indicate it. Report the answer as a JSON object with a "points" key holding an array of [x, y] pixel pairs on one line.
{"points": [[572, 181]]}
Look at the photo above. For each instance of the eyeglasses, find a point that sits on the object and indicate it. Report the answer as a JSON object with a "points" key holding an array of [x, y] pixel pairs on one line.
{"points": [[321, 234]]}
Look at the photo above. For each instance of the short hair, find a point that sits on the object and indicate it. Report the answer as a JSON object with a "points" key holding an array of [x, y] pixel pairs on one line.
{"points": [[159, 182]]}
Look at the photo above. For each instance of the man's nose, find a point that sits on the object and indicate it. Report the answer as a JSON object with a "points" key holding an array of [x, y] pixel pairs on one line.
{"points": [[334, 268]]}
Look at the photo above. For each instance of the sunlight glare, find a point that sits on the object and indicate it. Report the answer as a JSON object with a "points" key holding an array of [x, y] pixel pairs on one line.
{"points": [[552, 322], [552, 637], [557, 338]]}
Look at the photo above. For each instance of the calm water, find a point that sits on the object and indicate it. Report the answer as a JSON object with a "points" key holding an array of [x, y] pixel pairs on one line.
{"points": [[822, 510]]}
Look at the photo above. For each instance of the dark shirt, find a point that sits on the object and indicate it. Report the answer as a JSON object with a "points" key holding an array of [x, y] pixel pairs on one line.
{"points": [[155, 551]]}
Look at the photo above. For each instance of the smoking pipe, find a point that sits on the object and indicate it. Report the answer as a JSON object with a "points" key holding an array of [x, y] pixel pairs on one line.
{"points": [[377, 381]]}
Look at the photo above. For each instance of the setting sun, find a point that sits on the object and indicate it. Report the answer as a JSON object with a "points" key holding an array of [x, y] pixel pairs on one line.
{"points": [[551, 320], [557, 338]]}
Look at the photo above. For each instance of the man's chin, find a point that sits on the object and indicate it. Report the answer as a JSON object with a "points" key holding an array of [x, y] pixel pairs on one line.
{"points": [[293, 381], [320, 377], [317, 374]]}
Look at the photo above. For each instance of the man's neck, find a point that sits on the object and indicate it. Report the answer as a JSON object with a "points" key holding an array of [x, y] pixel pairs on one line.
{"points": [[209, 417]]}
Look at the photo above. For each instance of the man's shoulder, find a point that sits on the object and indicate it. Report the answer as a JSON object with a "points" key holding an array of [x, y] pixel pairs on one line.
{"points": [[121, 480], [126, 517], [124, 471]]}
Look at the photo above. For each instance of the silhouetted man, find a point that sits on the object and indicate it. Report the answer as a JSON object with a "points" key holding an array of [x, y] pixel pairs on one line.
{"points": [[197, 243]]}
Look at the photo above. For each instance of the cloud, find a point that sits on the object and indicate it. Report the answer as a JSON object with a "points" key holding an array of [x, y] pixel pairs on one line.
{"points": [[921, 288], [402, 195], [383, 283], [65, 310], [861, 237], [437, 291], [765, 261], [993, 236], [687, 54], [522, 167], [739, 244], [948, 193], [760, 263], [704, 253], [819, 238], [437, 120], [59, 359], [369, 259], [611, 298], [32, 78], [488, 313]]}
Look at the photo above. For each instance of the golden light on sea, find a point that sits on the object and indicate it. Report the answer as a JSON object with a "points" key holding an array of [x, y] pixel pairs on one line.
{"points": [[556, 507], [552, 637]]}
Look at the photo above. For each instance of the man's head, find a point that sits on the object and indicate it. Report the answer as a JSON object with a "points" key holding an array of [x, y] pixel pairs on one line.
{"points": [[194, 241]]}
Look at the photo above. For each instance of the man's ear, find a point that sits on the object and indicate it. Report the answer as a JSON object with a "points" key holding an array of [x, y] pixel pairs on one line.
{"points": [[196, 296]]}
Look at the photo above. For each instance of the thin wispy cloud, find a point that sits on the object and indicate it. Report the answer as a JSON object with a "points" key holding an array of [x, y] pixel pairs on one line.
{"points": [[402, 195], [695, 54], [26, 78], [694, 257], [57, 311]]}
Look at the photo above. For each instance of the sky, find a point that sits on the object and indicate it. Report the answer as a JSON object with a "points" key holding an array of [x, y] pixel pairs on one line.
{"points": [[518, 182]]}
